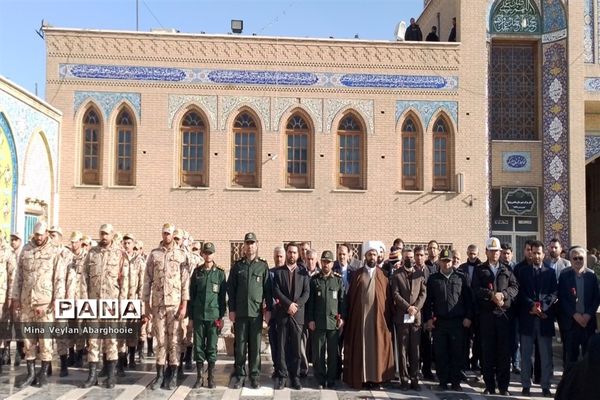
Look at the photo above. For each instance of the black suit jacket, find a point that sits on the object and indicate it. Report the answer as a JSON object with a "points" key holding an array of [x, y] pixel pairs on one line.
{"points": [[282, 293], [567, 297], [528, 296]]}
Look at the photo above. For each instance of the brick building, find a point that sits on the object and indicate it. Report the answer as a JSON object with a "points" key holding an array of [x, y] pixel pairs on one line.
{"points": [[330, 140]]}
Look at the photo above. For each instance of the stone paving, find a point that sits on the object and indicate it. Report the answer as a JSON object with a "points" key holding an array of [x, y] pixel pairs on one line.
{"points": [[134, 386]]}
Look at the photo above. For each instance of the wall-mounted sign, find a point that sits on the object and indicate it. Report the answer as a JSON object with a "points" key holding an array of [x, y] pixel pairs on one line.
{"points": [[518, 202], [516, 161], [516, 16]]}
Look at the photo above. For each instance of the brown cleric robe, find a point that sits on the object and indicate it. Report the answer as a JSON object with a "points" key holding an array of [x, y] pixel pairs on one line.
{"points": [[368, 354]]}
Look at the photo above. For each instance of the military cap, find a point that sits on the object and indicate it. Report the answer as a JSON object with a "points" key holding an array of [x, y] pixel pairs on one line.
{"points": [[196, 245], [76, 236], [129, 236], [178, 233], [106, 228], [55, 228], [17, 235], [445, 255], [493, 243], [138, 244], [327, 255], [40, 228], [250, 237], [86, 240], [168, 228], [208, 248]]}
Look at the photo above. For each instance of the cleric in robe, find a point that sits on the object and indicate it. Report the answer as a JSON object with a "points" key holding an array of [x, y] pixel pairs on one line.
{"points": [[368, 354]]}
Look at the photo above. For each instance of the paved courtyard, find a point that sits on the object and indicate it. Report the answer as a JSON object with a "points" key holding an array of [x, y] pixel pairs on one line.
{"points": [[134, 386]]}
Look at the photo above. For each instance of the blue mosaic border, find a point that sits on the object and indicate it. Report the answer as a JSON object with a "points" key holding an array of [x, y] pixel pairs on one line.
{"points": [[592, 148], [426, 109], [592, 84], [555, 18], [108, 101], [588, 31], [555, 152], [15, 178], [258, 78]]}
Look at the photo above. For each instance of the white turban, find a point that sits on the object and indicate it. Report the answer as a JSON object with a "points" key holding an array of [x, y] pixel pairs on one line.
{"points": [[371, 245]]}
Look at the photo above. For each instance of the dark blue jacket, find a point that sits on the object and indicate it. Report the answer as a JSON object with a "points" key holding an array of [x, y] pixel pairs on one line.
{"points": [[528, 296], [567, 297]]}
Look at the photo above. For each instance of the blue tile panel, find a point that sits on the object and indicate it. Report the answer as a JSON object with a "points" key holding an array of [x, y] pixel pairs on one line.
{"points": [[555, 18], [588, 31], [592, 148], [258, 78], [108, 101], [426, 109]]}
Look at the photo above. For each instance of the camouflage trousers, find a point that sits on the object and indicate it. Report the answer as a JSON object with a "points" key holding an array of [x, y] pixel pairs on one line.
{"points": [[4, 323], [109, 346], [165, 331], [32, 341]]}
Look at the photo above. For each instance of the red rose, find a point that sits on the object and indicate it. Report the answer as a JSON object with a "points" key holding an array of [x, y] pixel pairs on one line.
{"points": [[490, 286]]}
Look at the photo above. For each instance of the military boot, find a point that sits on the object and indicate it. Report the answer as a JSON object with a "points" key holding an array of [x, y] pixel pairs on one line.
{"points": [[92, 376], [3, 358], [211, 376], [102, 373], [121, 365], [30, 377], [49, 370], [171, 382], [160, 376], [2, 352], [150, 352], [19, 353], [42, 376], [140, 349], [131, 362], [79, 359], [111, 380], [71, 358], [188, 358], [199, 378], [64, 361]]}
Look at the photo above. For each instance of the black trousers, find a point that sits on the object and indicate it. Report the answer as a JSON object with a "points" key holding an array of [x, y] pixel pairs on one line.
{"points": [[576, 342], [448, 344], [495, 350], [289, 338], [426, 351], [472, 346]]}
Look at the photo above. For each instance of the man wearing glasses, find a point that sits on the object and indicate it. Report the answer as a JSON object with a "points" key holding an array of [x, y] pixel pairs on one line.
{"points": [[578, 297]]}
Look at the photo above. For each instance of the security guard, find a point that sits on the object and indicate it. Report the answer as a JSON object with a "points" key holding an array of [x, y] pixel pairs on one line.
{"points": [[450, 303], [206, 308], [325, 315], [248, 287]]}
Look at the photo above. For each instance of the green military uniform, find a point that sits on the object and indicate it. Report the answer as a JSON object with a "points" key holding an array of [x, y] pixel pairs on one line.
{"points": [[206, 306], [325, 306], [248, 286]]}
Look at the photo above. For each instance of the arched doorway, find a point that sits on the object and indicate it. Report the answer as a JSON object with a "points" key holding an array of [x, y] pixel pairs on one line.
{"points": [[8, 177]]}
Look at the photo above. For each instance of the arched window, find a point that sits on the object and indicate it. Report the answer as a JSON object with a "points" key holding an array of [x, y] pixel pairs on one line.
{"points": [[125, 155], [91, 166], [246, 159], [411, 150], [299, 153], [351, 154], [441, 155], [194, 150]]}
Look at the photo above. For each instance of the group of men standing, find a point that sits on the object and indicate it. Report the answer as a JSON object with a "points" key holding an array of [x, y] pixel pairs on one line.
{"points": [[359, 320]]}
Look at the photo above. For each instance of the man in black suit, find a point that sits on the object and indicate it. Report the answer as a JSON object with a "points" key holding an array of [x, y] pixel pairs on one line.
{"points": [[291, 289], [578, 298]]}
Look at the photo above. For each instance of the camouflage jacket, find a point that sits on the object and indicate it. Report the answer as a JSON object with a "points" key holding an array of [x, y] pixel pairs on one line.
{"points": [[106, 273], [8, 266], [137, 270], [74, 282]]}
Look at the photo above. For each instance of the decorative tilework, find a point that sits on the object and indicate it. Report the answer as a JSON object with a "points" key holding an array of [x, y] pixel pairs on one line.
{"points": [[556, 142], [24, 121], [510, 17], [259, 78], [364, 107], [260, 105], [280, 105], [313, 107], [12, 174], [208, 104], [427, 109], [592, 84], [554, 36], [588, 31], [592, 147], [554, 16], [108, 101]]}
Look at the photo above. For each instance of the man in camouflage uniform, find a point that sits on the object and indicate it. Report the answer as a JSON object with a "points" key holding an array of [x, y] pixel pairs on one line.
{"points": [[248, 287], [105, 276], [146, 328], [16, 242], [166, 288], [137, 270], [73, 286], [7, 275], [206, 309], [325, 315], [184, 331], [39, 280]]}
